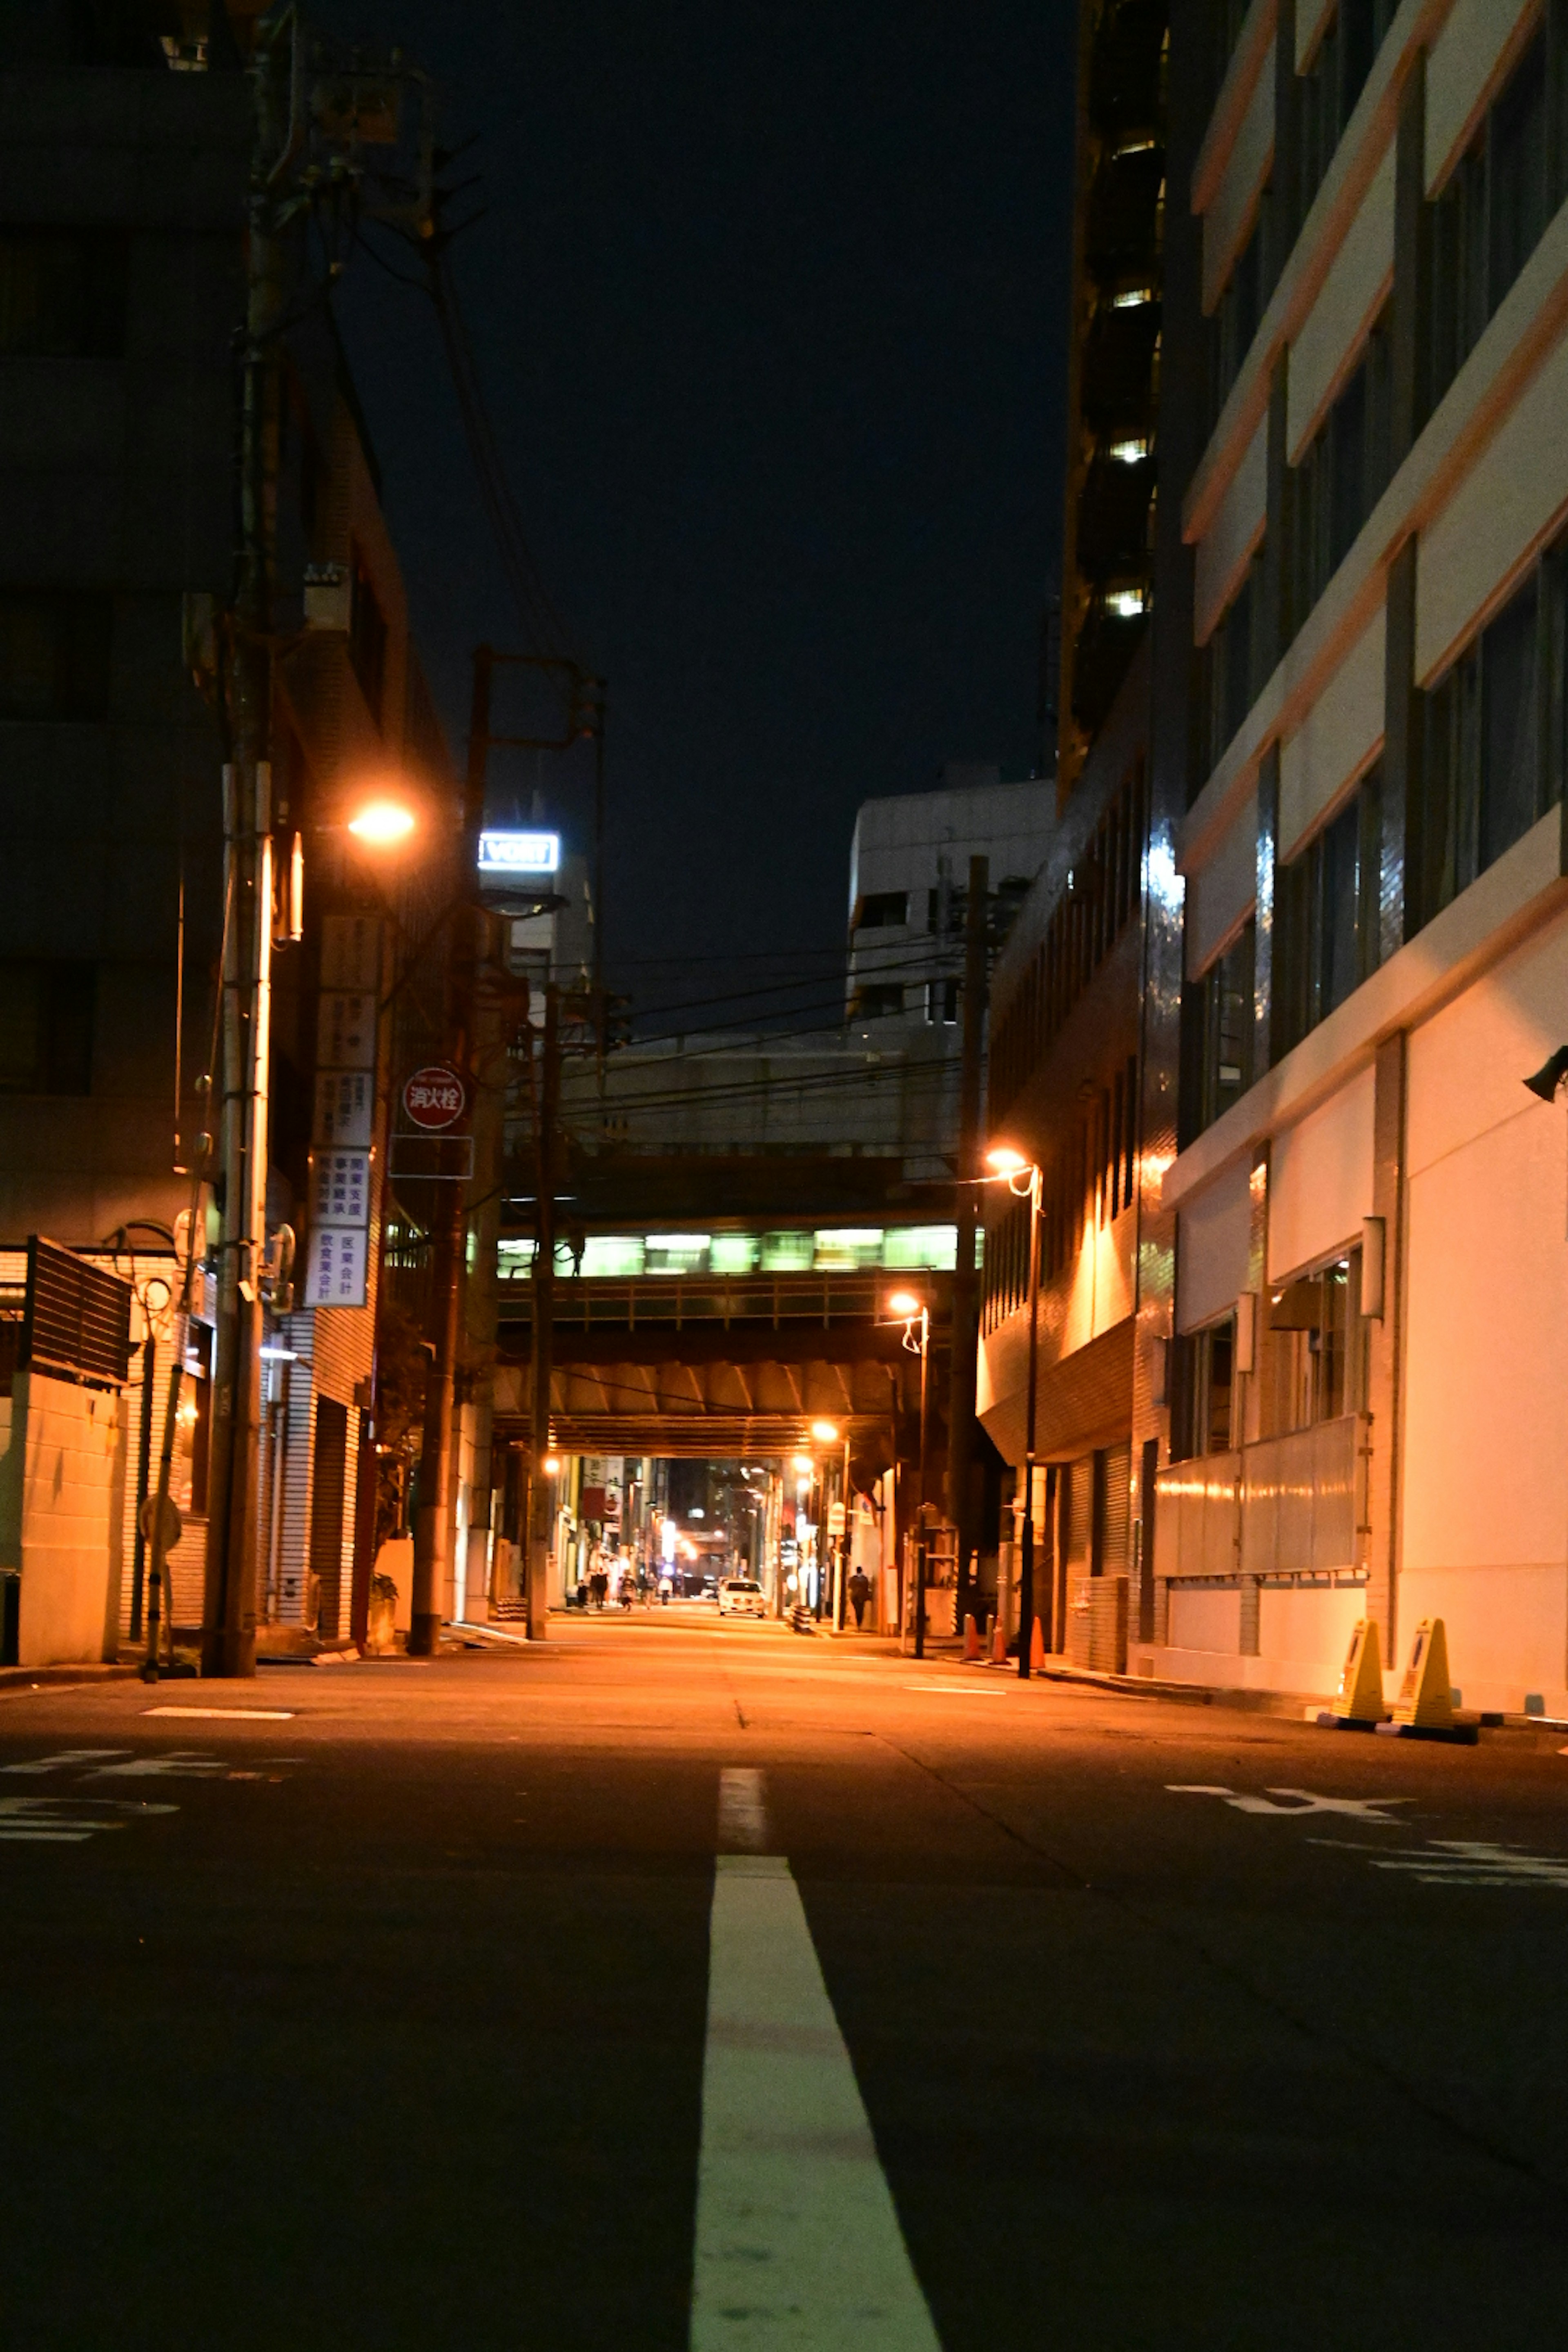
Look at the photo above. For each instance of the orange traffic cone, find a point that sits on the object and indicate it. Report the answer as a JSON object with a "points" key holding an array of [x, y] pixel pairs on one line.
{"points": [[998, 1642], [1037, 1648], [971, 1642]]}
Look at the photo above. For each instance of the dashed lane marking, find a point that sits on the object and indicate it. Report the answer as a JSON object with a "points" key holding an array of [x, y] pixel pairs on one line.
{"points": [[228, 1713], [957, 1690], [742, 1810], [798, 2246]]}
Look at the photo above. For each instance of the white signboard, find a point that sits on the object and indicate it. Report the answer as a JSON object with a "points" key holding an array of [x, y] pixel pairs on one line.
{"points": [[340, 1188], [504, 855], [346, 1109], [350, 952], [346, 1033], [339, 1264]]}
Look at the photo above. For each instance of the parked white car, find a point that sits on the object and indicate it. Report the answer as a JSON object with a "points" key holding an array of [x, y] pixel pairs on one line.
{"points": [[739, 1596]]}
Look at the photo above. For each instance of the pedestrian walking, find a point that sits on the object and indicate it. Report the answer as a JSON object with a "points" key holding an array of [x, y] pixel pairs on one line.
{"points": [[860, 1593]]}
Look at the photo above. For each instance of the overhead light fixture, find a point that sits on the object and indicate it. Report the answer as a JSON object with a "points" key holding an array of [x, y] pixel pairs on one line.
{"points": [[1550, 1076], [380, 823], [1126, 604], [1004, 1161], [904, 1302], [824, 1432]]}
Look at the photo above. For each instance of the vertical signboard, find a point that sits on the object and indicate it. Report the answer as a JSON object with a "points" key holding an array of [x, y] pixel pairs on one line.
{"points": [[338, 1269]]}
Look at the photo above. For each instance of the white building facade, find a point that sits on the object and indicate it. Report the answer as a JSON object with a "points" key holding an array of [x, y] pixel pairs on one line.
{"points": [[1366, 1408]]}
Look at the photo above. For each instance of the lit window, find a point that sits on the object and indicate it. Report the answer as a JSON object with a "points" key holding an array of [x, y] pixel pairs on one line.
{"points": [[1126, 604], [1132, 297], [1130, 453]]}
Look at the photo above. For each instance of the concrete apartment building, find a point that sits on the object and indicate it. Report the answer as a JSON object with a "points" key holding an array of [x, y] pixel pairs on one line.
{"points": [[1370, 1273], [1085, 994], [124, 156]]}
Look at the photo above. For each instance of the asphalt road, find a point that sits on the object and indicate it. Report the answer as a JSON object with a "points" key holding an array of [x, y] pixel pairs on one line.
{"points": [[385, 2023]]}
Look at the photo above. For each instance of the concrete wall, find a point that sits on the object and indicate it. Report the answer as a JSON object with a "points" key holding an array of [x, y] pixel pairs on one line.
{"points": [[59, 1484]]}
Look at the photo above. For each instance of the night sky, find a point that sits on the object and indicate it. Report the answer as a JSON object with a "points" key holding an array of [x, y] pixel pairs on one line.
{"points": [[769, 306]]}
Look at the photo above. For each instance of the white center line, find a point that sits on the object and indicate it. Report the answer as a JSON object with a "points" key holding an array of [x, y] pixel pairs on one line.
{"points": [[958, 1690], [798, 2245], [743, 1811], [219, 1714]]}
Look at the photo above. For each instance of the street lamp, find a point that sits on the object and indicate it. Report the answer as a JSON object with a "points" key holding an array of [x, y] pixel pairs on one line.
{"points": [[825, 1432], [382, 823], [1011, 1166], [912, 1310]]}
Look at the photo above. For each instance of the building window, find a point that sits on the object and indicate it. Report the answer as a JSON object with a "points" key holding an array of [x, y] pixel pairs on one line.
{"points": [[1493, 751], [46, 1027], [1225, 1014], [62, 293], [1326, 917], [54, 653], [1103, 892], [1342, 475], [1489, 218], [883, 911], [1203, 1384], [883, 1001], [1235, 319], [1314, 1368], [367, 640], [1232, 660], [942, 1003], [1330, 85]]}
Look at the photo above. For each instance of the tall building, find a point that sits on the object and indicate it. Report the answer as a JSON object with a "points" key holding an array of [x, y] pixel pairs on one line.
{"points": [[1346, 1278], [1370, 1273], [1082, 1067], [124, 164]]}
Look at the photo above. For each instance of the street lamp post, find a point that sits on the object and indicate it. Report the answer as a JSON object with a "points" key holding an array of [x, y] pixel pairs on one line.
{"points": [[1012, 1165], [825, 1432], [918, 1310]]}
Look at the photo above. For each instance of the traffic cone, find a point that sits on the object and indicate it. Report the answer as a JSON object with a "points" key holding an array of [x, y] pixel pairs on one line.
{"points": [[998, 1642], [971, 1642], [1037, 1648]]}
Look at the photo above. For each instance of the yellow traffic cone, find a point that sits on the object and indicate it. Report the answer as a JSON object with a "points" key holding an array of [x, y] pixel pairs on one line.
{"points": [[1426, 1702], [1359, 1698]]}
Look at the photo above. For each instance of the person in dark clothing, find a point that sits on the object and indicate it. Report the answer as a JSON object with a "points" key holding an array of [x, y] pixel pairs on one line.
{"points": [[860, 1593]]}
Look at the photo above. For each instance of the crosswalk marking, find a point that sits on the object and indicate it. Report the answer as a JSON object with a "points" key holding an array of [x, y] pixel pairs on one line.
{"points": [[798, 2247]]}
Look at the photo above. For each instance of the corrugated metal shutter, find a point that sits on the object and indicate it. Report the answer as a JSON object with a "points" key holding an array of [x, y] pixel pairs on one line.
{"points": [[1115, 1543], [1080, 1545]]}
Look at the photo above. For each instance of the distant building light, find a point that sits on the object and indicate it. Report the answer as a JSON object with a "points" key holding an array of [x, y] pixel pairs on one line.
{"points": [[503, 854], [1130, 453], [1126, 604], [1138, 143], [1132, 297]]}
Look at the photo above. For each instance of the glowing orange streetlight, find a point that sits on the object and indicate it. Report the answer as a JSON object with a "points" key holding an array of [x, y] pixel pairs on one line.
{"points": [[1004, 1161], [382, 823]]}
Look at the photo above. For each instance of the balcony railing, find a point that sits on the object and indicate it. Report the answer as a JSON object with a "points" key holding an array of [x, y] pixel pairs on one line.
{"points": [[1286, 1508]]}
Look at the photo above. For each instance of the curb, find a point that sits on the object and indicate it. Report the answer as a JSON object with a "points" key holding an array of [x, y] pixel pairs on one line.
{"points": [[63, 1677]]}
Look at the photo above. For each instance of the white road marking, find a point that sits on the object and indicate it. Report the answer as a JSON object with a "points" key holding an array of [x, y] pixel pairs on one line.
{"points": [[1465, 1861], [743, 1811], [57, 1821], [957, 1690], [225, 1713], [64, 1758], [1307, 1801], [174, 1764], [798, 2246]]}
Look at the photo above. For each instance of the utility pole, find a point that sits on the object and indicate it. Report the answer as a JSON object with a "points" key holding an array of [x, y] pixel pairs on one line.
{"points": [[228, 1615], [434, 1517], [311, 125], [965, 1344], [546, 1095]]}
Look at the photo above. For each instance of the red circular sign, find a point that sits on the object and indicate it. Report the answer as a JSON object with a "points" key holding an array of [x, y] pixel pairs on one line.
{"points": [[436, 1096]]}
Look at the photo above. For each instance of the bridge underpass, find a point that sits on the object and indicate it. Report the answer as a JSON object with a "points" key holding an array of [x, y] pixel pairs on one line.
{"points": [[717, 1368]]}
